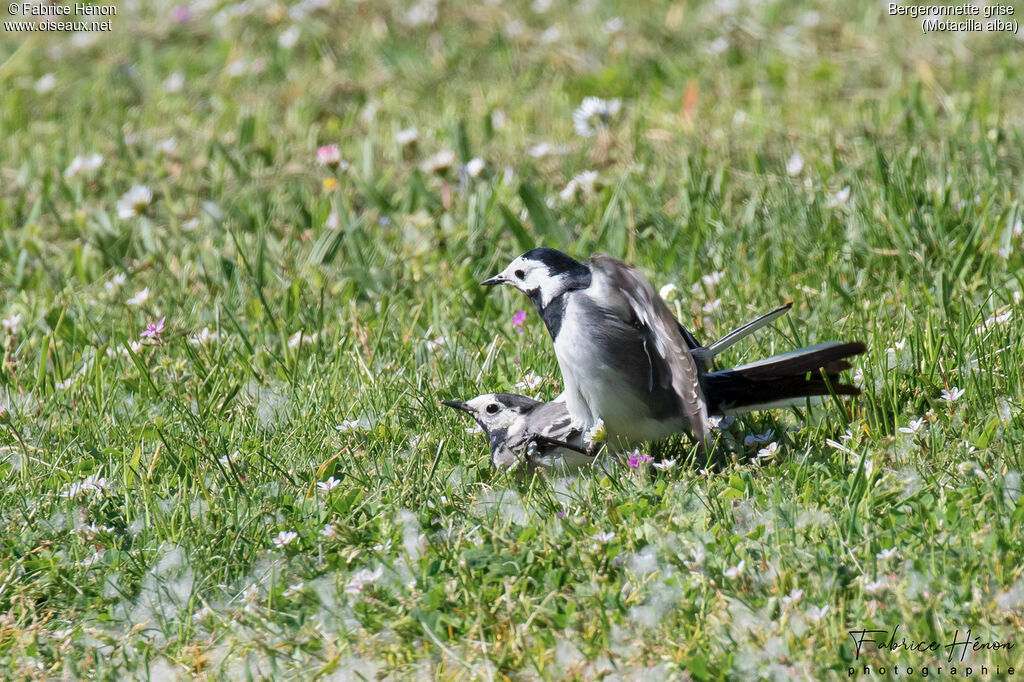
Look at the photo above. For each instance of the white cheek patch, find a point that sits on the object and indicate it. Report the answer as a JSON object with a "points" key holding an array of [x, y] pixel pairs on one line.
{"points": [[550, 287]]}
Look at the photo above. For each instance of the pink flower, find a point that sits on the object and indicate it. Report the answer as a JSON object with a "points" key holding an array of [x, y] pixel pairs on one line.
{"points": [[181, 14], [636, 458], [518, 320], [153, 330], [328, 155]]}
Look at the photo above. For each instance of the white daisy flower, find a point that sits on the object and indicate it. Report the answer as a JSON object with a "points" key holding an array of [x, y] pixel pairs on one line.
{"points": [[407, 136], [45, 84], [604, 537], [328, 485], [134, 201], [439, 162], [140, 298], [718, 45], [816, 613], [721, 422], [227, 459], [793, 597], [735, 571], [301, 338], [758, 438], [712, 306], [839, 198], [664, 464], [769, 451], [289, 38], [550, 35], [348, 425], [83, 163], [91, 530], [593, 114], [887, 553], [795, 164], [474, 167], [529, 383], [435, 343], [584, 183], [669, 292], [540, 150], [116, 282], [597, 433], [360, 579], [174, 83], [876, 585], [328, 531], [285, 538], [236, 67], [713, 278], [613, 25], [12, 324], [203, 337], [90, 484], [93, 558], [423, 12], [166, 147], [913, 427], [951, 395]]}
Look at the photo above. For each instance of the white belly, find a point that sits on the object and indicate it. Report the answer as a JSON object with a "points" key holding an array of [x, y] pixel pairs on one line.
{"points": [[596, 390]]}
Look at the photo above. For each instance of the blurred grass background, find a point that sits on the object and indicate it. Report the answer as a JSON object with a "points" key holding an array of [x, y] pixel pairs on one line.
{"points": [[817, 151]]}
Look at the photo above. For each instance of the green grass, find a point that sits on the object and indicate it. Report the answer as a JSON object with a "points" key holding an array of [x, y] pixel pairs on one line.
{"points": [[480, 576]]}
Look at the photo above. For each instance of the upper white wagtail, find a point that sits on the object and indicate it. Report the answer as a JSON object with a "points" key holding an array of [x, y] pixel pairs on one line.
{"points": [[626, 362], [541, 435]]}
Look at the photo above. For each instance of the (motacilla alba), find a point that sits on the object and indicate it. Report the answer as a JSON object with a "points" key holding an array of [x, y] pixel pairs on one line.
{"points": [[541, 435], [626, 361], [522, 429]]}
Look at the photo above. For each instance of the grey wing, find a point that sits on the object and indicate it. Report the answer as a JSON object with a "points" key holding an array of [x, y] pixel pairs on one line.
{"points": [[648, 311], [553, 425]]}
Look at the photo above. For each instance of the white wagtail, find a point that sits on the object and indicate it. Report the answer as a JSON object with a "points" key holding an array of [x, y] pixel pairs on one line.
{"points": [[524, 430], [542, 435], [626, 362]]}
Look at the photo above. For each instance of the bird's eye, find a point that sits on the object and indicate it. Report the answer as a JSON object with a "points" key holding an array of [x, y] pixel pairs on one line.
{"points": [[519, 274], [492, 408]]}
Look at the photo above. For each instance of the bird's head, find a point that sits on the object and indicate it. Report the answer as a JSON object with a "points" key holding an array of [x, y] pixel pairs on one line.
{"points": [[543, 274], [494, 412]]}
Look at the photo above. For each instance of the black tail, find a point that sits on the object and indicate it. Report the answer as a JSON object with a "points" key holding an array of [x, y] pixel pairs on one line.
{"points": [[784, 380]]}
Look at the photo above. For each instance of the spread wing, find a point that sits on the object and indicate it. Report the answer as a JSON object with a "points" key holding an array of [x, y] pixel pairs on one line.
{"points": [[662, 336]]}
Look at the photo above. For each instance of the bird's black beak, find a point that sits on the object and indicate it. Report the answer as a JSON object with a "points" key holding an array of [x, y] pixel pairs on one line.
{"points": [[497, 279], [457, 404]]}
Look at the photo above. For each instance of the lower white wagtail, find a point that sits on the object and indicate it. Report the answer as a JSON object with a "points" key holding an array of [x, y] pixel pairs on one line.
{"points": [[626, 362], [522, 430]]}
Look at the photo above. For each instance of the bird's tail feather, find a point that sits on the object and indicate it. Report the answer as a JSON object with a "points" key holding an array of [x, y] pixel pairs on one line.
{"points": [[705, 355], [737, 335], [782, 380]]}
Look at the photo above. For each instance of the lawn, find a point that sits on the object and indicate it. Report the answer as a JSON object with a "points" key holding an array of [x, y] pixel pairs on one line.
{"points": [[224, 340]]}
